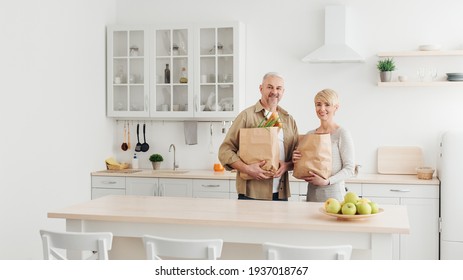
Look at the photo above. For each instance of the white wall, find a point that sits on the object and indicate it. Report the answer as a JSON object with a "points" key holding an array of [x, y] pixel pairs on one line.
{"points": [[280, 33], [54, 131]]}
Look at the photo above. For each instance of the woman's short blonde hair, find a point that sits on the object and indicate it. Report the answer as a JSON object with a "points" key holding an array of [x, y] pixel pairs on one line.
{"points": [[327, 95]]}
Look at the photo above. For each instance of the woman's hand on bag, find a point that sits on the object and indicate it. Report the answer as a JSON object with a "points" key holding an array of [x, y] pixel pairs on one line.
{"points": [[284, 167], [316, 180], [296, 156]]}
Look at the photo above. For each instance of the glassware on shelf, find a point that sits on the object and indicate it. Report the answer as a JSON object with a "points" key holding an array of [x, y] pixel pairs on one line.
{"points": [[133, 50], [175, 50], [119, 78], [432, 73], [421, 73]]}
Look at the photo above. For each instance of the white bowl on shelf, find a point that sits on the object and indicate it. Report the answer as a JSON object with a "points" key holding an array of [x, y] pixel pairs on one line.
{"points": [[402, 78], [429, 47]]}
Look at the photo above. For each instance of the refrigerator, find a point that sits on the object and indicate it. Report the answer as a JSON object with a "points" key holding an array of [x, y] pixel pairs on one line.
{"points": [[450, 173]]}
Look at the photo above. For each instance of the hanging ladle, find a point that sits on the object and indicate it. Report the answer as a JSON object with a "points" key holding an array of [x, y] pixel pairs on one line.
{"points": [[124, 145], [138, 146], [144, 147]]}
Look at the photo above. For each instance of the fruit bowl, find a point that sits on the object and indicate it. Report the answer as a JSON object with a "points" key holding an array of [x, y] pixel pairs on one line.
{"points": [[351, 217]]}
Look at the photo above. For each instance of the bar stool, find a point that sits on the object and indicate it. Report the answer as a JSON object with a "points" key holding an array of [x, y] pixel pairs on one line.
{"points": [[207, 249], [94, 244], [274, 251]]}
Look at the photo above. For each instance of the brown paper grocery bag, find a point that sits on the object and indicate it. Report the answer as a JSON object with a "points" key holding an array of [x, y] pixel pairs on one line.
{"points": [[315, 156], [257, 144]]}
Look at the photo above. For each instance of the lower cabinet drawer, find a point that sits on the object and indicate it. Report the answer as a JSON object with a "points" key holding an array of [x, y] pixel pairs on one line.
{"points": [[392, 190], [210, 186], [225, 195], [100, 192], [107, 182]]}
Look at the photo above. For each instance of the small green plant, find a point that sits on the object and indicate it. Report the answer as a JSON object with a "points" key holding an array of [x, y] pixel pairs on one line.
{"points": [[386, 64], [156, 158]]}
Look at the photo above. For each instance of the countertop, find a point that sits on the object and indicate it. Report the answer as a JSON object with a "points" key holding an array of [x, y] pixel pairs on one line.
{"points": [[230, 213], [363, 178]]}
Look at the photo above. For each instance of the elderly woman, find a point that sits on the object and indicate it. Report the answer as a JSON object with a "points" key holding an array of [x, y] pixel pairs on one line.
{"points": [[342, 147]]}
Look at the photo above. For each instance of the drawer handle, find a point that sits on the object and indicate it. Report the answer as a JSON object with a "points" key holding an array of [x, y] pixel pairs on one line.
{"points": [[109, 182], [394, 190], [210, 186]]}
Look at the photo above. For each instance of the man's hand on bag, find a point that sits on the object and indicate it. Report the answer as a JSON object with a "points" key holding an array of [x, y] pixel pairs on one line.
{"points": [[316, 180], [255, 171]]}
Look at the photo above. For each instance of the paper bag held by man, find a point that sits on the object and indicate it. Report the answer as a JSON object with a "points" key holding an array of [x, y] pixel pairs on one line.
{"points": [[258, 144]]}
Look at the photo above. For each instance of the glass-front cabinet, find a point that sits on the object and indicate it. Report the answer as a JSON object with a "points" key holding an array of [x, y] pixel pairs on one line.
{"points": [[176, 72], [220, 71], [171, 87], [127, 72]]}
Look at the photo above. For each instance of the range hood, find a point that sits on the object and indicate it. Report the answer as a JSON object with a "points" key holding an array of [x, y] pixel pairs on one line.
{"points": [[335, 48]]}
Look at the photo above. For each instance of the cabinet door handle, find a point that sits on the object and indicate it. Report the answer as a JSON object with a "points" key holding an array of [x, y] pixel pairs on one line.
{"points": [[161, 189], [109, 182], [210, 186], [395, 190]]}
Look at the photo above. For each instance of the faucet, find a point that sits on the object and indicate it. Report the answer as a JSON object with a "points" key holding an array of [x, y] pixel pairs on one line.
{"points": [[175, 163]]}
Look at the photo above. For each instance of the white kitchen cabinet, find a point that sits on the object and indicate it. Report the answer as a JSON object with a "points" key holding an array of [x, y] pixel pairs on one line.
{"points": [[175, 187], [297, 191], [219, 70], [171, 94], [353, 187], [211, 188], [142, 186], [233, 192], [103, 185], [422, 202], [127, 71], [159, 187], [422, 54], [206, 64]]}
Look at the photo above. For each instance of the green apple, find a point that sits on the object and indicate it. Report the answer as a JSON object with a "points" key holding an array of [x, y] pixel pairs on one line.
{"points": [[332, 205], [349, 209], [374, 207], [364, 199], [351, 197], [363, 208]]}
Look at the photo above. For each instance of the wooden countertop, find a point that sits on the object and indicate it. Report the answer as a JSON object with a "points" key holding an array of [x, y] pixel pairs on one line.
{"points": [[230, 213], [362, 178]]}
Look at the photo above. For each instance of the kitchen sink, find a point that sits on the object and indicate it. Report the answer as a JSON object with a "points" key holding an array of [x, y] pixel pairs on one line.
{"points": [[170, 171]]}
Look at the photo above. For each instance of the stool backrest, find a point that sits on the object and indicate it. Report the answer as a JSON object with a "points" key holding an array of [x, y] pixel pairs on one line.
{"points": [[274, 251], [157, 247], [94, 244]]}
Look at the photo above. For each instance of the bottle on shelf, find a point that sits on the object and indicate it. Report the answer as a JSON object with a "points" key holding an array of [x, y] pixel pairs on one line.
{"points": [[167, 74], [183, 76], [135, 161]]}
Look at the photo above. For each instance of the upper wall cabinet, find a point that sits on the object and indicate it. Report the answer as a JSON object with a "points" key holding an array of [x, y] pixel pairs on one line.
{"points": [[127, 72], [181, 72]]}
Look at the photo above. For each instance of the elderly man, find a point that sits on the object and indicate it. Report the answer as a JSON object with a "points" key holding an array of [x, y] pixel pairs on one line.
{"points": [[263, 185]]}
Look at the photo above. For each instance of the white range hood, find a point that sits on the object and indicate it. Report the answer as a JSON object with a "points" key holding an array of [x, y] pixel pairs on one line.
{"points": [[335, 48]]}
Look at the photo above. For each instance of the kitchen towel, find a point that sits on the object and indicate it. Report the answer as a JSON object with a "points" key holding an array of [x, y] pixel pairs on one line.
{"points": [[190, 129]]}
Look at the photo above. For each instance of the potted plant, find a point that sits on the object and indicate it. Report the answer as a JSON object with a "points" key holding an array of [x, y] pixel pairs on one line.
{"points": [[156, 160], [385, 67]]}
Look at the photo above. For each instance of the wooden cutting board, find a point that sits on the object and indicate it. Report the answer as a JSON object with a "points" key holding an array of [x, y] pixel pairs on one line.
{"points": [[399, 160]]}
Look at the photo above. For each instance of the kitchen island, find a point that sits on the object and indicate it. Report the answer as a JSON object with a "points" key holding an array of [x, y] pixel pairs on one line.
{"points": [[235, 221]]}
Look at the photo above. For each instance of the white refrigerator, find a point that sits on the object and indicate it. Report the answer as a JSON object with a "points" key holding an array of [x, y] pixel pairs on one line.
{"points": [[450, 173]]}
